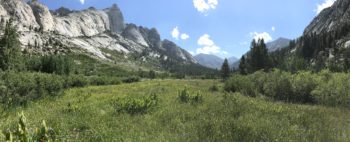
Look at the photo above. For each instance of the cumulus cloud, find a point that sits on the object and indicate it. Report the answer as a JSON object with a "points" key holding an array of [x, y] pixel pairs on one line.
{"points": [[82, 1], [264, 35], [208, 46], [205, 5], [324, 5], [273, 28], [176, 34], [184, 36], [191, 52]]}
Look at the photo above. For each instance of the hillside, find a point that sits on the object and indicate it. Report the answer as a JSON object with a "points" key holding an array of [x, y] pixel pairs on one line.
{"points": [[325, 41], [277, 44]]}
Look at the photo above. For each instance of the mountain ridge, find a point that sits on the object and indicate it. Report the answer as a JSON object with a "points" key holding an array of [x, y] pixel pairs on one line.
{"points": [[89, 31]]}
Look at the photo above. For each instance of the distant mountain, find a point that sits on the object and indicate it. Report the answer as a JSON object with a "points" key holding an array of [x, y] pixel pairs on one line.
{"points": [[210, 61], [277, 44], [232, 60]]}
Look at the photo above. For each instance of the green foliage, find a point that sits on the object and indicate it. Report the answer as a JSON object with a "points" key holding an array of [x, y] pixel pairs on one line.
{"points": [[278, 86], [186, 97], [225, 70], [55, 64], [131, 79], [334, 91], [18, 88], [152, 74], [76, 81], [323, 88], [243, 84], [214, 88], [134, 106], [10, 49], [256, 59], [104, 80], [22, 133]]}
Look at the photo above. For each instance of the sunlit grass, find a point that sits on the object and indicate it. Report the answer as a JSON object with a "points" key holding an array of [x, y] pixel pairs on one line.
{"points": [[87, 114]]}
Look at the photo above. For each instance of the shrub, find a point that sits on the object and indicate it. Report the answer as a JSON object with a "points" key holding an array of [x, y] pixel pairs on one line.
{"points": [[278, 86], [49, 84], [76, 81], [334, 92], [21, 133], [303, 84], [214, 88], [18, 88], [131, 79], [185, 97], [104, 80], [242, 84], [134, 106]]}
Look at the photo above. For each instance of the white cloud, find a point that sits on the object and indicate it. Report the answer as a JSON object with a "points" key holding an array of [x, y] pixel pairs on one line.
{"points": [[82, 1], [205, 5], [273, 28], [208, 46], [264, 35], [191, 52], [184, 36], [175, 33], [324, 5]]}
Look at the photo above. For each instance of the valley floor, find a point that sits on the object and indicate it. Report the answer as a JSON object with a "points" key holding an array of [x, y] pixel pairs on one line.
{"points": [[88, 114]]}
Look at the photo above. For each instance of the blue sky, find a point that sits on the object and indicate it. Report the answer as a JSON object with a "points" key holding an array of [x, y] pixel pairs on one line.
{"points": [[221, 27]]}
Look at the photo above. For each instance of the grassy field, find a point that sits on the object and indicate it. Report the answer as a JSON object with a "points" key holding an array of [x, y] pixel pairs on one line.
{"points": [[88, 114]]}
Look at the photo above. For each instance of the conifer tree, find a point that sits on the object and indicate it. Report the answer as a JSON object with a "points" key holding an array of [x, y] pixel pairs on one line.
{"points": [[225, 70], [10, 49]]}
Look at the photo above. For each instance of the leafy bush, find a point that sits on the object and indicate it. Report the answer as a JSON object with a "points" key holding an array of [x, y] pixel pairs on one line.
{"points": [[135, 106], [185, 97], [76, 81], [303, 84], [21, 133], [104, 80], [334, 92], [18, 88], [214, 88], [278, 86], [131, 79], [240, 83], [324, 88]]}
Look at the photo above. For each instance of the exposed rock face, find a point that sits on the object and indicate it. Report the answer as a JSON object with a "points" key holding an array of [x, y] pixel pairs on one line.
{"points": [[43, 16], [133, 33], [331, 18], [21, 12], [176, 52], [116, 19], [89, 31], [153, 38], [84, 23]]}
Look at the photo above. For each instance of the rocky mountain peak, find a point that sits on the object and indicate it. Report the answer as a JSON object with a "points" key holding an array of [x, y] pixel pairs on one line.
{"points": [[330, 18], [116, 19], [90, 31], [42, 15]]}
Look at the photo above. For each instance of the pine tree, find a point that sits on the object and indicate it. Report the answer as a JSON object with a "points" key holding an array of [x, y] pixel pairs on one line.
{"points": [[10, 49], [243, 66], [225, 70]]}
